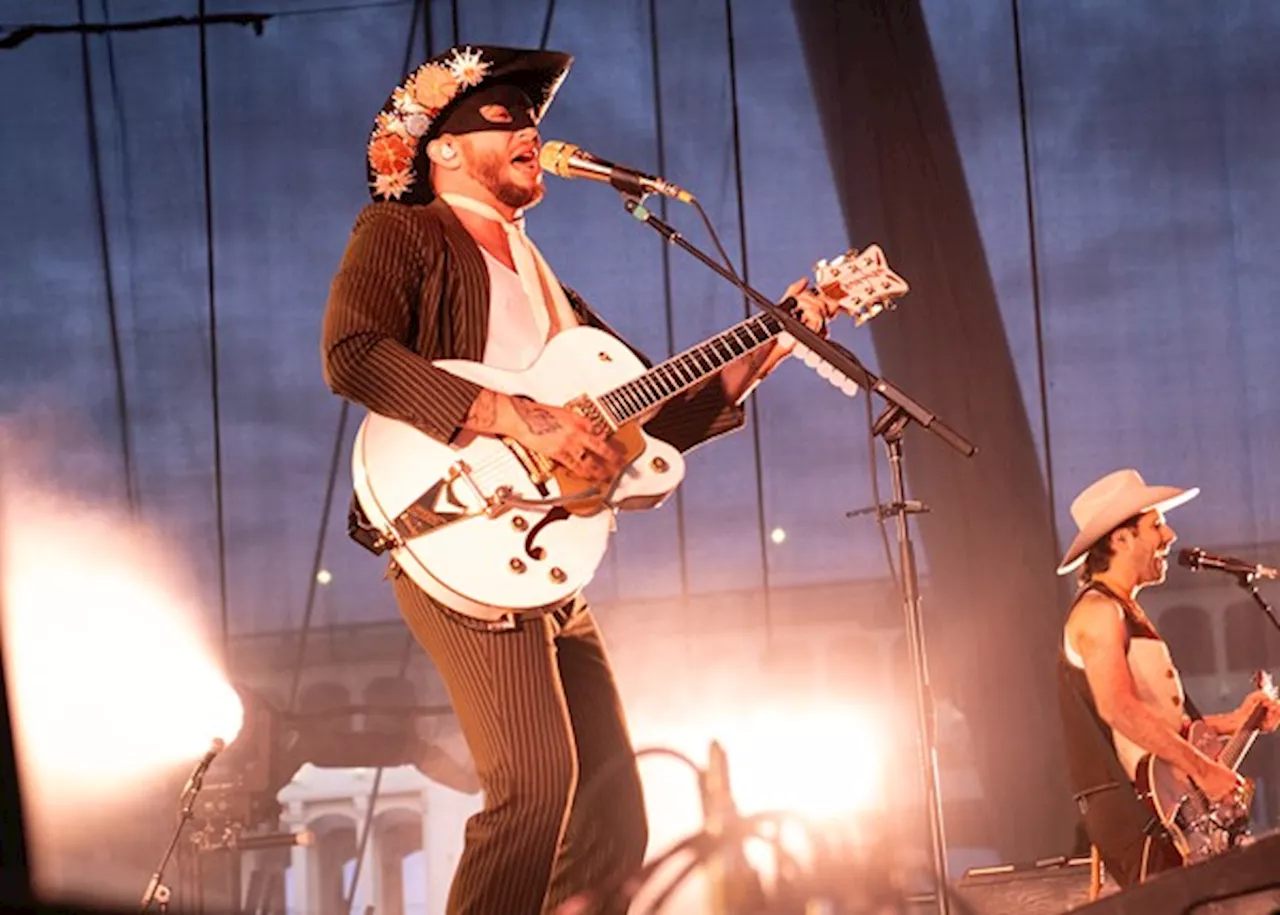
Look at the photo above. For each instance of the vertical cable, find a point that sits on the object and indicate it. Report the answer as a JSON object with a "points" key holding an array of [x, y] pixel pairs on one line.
{"points": [[546, 25], [104, 251], [454, 6], [746, 310], [211, 293], [367, 828], [660, 132], [1034, 257], [335, 457]]}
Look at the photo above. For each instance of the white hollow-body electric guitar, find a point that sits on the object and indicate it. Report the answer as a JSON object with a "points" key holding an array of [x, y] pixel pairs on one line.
{"points": [[488, 528]]}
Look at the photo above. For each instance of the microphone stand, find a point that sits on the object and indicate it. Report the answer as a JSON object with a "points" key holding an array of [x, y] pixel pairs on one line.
{"points": [[1249, 581], [156, 890], [901, 411]]}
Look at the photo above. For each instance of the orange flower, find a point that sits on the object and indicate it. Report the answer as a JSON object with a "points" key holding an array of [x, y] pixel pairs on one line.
{"points": [[389, 153], [434, 87]]}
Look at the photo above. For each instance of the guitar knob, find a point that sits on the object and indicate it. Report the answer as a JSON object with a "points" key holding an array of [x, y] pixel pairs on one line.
{"points": [[659, 465], [519, 523], [558, 576], [517, 565]]}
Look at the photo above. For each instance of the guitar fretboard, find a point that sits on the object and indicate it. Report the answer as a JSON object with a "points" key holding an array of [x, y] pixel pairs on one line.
{"points": [[683, 371], [1242, 740]]}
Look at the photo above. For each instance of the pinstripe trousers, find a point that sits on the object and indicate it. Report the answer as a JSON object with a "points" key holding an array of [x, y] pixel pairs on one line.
{"points": [[540, 711]]}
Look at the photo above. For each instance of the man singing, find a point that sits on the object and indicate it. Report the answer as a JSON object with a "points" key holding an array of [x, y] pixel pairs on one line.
{"points": [[1120, 695], [439, 267]]}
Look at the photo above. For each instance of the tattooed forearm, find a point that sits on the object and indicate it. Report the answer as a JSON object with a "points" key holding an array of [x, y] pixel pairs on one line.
{"points": [[536, 418], [483, 415]]}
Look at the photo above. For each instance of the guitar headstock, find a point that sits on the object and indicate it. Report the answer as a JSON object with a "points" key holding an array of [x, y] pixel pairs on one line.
{"points": [[860, 283], [1263, 681]]}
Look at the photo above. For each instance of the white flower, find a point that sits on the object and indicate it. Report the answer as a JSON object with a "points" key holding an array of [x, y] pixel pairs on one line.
{"points": [[467, 68], [404, 102], [392, 124], [390, 187]]}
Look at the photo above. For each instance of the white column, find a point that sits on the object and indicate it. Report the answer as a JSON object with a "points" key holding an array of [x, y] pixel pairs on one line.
{"points": [[366, 890], [444, 820], [298, 891]]}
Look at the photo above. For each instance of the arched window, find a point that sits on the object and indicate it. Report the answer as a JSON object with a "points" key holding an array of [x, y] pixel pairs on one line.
{"points": [[1189, 632], [389, 693], [1252, 640]]}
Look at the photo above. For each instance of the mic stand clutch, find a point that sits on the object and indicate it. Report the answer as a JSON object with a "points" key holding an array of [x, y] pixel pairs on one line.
{"points": [[890, 426], [1249, 581]]}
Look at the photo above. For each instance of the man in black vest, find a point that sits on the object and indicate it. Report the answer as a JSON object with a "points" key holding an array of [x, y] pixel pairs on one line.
{"points": [[1120, 694]]}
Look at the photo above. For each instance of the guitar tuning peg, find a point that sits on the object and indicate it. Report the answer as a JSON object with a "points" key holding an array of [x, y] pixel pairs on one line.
{"points": [[825, 370], [848, 387], [811, 359]]}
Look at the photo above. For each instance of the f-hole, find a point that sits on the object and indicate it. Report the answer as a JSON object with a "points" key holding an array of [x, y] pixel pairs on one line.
{"points": [[559, 513]]}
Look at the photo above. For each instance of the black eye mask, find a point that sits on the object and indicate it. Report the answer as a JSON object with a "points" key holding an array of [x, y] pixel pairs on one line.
{"points": [[489, 108]]}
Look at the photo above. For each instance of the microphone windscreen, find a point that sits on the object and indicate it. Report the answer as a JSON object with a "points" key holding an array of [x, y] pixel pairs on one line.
{"points": [[1189, 559]]}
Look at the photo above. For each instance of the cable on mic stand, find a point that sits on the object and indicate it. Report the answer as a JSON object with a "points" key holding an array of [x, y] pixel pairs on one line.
{"points": [[156, 890]]}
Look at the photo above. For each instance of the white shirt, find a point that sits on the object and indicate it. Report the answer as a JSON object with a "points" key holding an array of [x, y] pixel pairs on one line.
{"points": [[517, 331]]}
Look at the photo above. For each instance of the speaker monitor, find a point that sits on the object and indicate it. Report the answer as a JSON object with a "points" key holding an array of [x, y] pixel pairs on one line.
{"points": [[1245, 881], [1046, 890]]}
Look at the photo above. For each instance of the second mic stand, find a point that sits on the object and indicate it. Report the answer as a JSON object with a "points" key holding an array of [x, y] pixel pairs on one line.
{"points": [[1249, 581], [890, 426]]}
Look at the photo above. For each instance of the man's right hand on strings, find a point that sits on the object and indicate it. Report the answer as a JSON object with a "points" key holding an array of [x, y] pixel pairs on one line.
{"points": [[553, 432], [1217, 781]]}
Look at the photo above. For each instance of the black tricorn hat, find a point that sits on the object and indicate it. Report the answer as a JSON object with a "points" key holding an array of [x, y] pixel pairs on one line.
{"points": [[396, 158]]}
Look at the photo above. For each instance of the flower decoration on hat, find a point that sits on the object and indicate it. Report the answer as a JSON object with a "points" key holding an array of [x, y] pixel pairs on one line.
{"points": [[415, 106]]}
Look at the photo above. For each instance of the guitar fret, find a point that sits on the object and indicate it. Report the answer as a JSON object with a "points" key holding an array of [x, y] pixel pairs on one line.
{"points": [[683, 370]]}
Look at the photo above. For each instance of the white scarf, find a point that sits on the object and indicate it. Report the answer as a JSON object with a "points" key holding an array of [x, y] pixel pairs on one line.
{"points": [[536, 275]]}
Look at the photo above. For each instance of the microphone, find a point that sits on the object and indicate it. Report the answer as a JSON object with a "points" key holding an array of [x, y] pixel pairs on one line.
{"points": [[193, 783], [1197, 559], [568, 161], [303, 837]]}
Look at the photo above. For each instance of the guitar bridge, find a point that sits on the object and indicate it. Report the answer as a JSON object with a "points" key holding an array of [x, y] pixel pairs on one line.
{"points": [[440, 506]]}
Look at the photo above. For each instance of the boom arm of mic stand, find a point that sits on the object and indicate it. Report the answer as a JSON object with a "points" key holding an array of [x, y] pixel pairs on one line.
{"points": [[840, 358]]}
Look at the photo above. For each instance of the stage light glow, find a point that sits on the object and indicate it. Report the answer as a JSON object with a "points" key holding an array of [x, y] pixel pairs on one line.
{"points": [[111, 680], [821, 761], [324, 576], [778, 535]]}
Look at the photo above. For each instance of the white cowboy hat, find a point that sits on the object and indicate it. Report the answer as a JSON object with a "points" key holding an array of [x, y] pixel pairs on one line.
{"points": [[1106, 503]]}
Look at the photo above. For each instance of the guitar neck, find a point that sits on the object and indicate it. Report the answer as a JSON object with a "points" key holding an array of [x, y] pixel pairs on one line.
{"points": [[686, 370], [1242, 740]]}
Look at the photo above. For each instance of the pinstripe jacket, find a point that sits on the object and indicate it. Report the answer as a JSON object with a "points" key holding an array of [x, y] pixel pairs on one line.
{"points": [[413, 287]]}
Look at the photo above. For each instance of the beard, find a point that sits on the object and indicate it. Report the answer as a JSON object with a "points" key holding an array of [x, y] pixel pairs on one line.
{"points": [[490, 171]]}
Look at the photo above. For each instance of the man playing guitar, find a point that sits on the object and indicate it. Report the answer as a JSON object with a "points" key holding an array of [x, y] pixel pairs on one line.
{"points": [[1120, 694], [438, 267]]}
